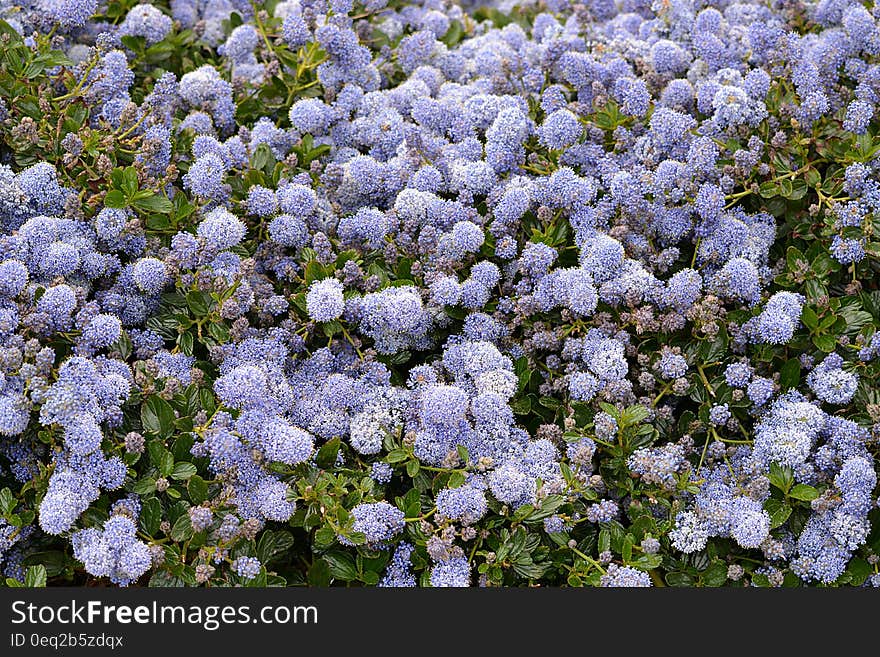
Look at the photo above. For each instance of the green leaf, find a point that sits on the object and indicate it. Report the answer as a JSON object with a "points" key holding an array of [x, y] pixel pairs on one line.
{"points": [[12, 36], [145, 486], [315, 271], [768, 189], [521, 405], [263, 158], [129, 181], [115, 199], [604, 540], [7, 502], [134, 43], [715, 574], [779, 512], [332, 328], [810, 318], [341, 566], [199, 302], [151, 515], [790, 374], [157, 416], [456, 479], [183, 471], [35, 577], [273, 545], [324, 537], [166, 465], [648, 561], [219, 331], [825, 343], [781, 477], [397, 456], [412, 468], [154, 203], [370, 578], [761, 580], [185, 340], [859, 570], [197, 489], [182, 529], [803, 492], [454, 34], [319, 573], [679, 579], [796, 190], [328, 453]]}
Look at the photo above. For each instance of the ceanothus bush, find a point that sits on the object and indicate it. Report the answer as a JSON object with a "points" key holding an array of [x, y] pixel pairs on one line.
{"points": [[439, 293]]}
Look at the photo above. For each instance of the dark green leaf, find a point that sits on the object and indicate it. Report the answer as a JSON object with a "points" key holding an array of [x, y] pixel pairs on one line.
{"points": [[803, 492], [319, 573], [342, 566], [679, 579], [183, 471], [790, 374], [115, 199], [715, 574], [35, 577], [154, 203], [151, 515], [778, 510], [197, 489], [328, 453], [182, 529]]}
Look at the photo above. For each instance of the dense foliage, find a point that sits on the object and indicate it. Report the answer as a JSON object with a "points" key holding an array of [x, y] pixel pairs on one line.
{"points": [[536, 293]]}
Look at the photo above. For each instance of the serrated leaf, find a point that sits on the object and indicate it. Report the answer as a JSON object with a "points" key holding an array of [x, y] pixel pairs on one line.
{"points": [[144, 486], [151, 515], [115, 199], [341, 565], [319, 573], [154, 203], [715, 574], [825, 343], [157, 416], [35, 577], [456, 479], [859, 570], [397, 456], [197, 489], [326, 457], [182, 529], [183, 471], [790, 374], [679, 579], [324, 537], [199, 302], [803, 492], [129, 181], [779, 512], [809, 318], [7, 502], [273, 545]]}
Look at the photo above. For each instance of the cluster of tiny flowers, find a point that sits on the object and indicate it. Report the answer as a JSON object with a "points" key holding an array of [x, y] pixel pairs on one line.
{"points": [[113, 551]]}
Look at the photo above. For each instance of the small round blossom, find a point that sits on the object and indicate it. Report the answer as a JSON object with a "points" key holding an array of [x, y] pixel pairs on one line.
{"points": [[247, 567], [324, 300]]}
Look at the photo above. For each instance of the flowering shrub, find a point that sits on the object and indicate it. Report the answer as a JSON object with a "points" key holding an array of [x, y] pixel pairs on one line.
{"points": [[431, 294]]}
